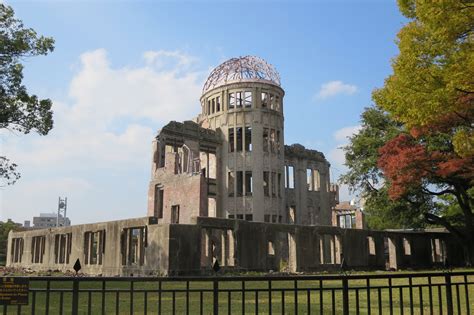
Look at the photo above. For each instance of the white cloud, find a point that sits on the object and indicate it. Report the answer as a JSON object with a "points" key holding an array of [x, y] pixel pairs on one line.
{"points": [[343, 134], [333, 88], [104, 127], [337, 158], [341, 137]]}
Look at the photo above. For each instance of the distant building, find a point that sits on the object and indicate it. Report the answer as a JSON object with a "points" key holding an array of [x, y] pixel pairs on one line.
{"points": [[348, 215], [47, 220], [27, 224]]}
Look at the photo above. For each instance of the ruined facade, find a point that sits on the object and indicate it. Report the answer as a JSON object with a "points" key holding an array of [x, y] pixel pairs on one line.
{"points": [[232, 162], [142, 246], [225, 187]]}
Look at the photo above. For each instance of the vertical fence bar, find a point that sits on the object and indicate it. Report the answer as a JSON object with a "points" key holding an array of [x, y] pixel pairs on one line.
{"points": [[410, 289], [216, 297], [229, 303], [256, 301], [145, 302], [103, 297], [333, 300], [243, 297], [440, 300], [401, 300], [345, 296], [159, 297], [296, 295], [4, 309], [390, 295], [466, 291], [33, 304], [201, 303], [187, 297], [89, 302], [61, 302], [270, 297], [308, 300], [283, 301], [379, 293], [173, 303], [75, 296], [430, 292], [368, 296], [131, 297], [449, 294], [320, 296], [458, 298], [48, 288], [357, 301], [117, 302]]}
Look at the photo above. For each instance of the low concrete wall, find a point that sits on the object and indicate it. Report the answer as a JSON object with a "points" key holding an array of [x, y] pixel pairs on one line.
{"points": [[142, 247]]}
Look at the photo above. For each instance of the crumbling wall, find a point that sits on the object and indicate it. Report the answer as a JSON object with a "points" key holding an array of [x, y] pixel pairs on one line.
{"points": [[309, 195]]}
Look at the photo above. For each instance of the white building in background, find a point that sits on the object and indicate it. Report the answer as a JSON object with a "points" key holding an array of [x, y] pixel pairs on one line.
{"points": [[47, 220]]}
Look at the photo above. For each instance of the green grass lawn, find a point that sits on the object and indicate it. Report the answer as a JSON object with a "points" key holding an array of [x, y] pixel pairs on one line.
{"points": [[257, 292]]}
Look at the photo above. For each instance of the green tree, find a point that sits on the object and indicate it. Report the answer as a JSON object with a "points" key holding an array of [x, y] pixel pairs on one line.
{"points": [[19, 111], [365, 176], [5, 228], [433, 75], [430, 96]]}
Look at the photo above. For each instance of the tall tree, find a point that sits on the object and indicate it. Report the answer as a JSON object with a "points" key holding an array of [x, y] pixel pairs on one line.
{"points": [[431, 92], [433, 75], [366, 177], [19, 111]]}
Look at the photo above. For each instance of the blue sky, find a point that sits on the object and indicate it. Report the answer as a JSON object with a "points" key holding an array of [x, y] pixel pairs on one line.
{"points": [[121, 70]]}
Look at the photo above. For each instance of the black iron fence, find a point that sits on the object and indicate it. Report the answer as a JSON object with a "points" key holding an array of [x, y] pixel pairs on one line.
{"points": [[398, 293]]}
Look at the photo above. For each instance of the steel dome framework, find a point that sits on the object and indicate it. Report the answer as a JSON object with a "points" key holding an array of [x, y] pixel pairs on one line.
{"points": [[248, 68]]}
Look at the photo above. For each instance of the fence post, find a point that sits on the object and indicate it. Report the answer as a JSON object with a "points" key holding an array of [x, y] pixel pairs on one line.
{"points": [[75, 296], [216, 297], [449, 294], [345, 296]]}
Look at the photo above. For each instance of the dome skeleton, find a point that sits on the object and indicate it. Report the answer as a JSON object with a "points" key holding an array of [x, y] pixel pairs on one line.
{"points": [[248, 68]]}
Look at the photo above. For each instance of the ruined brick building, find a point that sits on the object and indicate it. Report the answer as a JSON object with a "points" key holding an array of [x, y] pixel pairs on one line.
{"points": [[225, 187], [231, 162]]}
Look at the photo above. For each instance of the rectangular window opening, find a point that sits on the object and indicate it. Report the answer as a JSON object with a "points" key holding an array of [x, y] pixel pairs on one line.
{"points": [[278, 142], [239, 139], [133, 243], [175, 214], [265, 139], [279, 185], [231, 140], [230, 183], [240, 183], [218, 103], [248, 183], [238, 99], [274, 191], [248, 139], [406, 246], [309, 179], [264, 100], [289, 178], [231, 101], [371, 245], [248, 99], [266, 184]]}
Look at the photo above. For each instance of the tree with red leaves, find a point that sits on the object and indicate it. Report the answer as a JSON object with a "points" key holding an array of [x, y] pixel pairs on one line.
{"points": [[428, 161], [429, 101]]}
